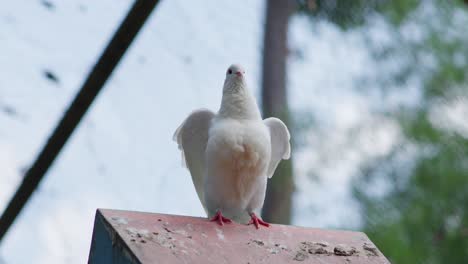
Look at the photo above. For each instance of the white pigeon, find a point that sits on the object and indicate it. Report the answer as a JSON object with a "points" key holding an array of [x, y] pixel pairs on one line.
{"points": [[231, 154]]}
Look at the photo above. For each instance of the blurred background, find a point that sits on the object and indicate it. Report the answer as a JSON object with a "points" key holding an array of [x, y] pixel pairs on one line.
{"points": [[374, 92]]}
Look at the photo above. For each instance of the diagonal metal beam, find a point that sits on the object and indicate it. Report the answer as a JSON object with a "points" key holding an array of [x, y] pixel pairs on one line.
{"points": [[98, 76]]}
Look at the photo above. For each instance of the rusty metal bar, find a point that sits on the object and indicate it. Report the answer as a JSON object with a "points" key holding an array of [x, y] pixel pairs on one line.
{"points": [[98, 76]]}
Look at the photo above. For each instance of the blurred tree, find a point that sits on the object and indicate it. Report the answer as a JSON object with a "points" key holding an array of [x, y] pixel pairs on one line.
{"points": [[421, 213], [277, 208]]}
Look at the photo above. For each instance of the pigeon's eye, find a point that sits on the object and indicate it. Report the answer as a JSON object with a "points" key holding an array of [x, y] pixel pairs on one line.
{"points": [[229, 71]]}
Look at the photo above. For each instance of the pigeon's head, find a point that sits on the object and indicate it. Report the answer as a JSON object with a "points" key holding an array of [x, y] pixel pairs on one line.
{"points": [[235, 71], [235, 76]]}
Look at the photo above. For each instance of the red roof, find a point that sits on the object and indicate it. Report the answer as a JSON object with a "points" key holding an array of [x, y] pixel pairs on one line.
{"points": [[159, 238]]}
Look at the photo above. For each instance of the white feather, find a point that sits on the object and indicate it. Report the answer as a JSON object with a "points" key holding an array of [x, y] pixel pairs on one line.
{"points": [[280, 146], [192, 137]]}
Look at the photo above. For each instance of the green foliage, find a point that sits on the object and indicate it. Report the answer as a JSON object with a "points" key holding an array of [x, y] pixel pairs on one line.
{"points": [[397, 11], [422, 215], [425, 220], [350, 14], [345, 14]]}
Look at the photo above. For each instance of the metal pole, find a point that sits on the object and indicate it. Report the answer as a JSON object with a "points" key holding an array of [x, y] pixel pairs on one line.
{"points": [[109, 59]]}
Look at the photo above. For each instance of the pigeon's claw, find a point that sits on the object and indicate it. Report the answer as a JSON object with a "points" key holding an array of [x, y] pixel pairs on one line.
{"points": [[220, 218], [257, 221]]}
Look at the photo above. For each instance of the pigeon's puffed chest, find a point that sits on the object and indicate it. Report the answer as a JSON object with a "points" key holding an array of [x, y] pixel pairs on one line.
{"points": [[240, 145]]}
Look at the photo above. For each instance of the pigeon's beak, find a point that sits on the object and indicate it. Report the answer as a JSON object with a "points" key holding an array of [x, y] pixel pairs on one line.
{"points": [[239, 74]]}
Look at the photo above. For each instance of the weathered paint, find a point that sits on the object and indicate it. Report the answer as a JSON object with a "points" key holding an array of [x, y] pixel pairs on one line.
{"points": [[134, 237], [106, 246]]}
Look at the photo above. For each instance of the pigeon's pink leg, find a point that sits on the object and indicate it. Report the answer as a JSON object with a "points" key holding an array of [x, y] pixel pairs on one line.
{"points": [[220, 218], [257, 221]]}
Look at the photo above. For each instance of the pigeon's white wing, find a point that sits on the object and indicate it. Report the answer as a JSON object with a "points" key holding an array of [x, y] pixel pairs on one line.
{"points": [[192, 137], [280, 147]]}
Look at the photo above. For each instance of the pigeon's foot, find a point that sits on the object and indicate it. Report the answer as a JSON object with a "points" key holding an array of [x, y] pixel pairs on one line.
{"points": [[220, 218], [257, 221]]}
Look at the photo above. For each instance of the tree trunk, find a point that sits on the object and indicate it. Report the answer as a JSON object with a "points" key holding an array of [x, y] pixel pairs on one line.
{"points": [[277, 208]]}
